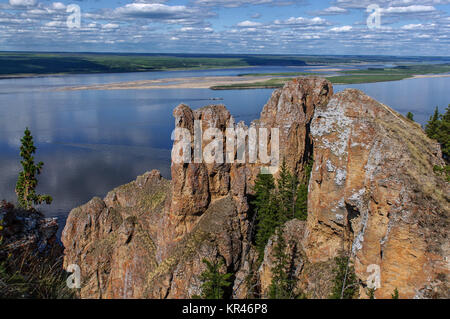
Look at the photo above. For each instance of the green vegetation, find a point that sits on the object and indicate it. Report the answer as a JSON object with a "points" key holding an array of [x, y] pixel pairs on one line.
{"points": [[269, 84], [277, 202], [282, 285], [28, 275], [301, 201], [371, 293], [365, 78], [41, 63], [27, 181], [345, 281], [27, 63], [371, 75], [267, 216], [214, 282], [438, 128], [395, 294], [410, 116], [403, 70], [279, 74]]}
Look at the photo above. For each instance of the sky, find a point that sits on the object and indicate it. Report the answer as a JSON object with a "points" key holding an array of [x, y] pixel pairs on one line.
{"points": [[340, 27]]}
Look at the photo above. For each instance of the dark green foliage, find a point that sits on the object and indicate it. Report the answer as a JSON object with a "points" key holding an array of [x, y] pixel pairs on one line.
{"points": [[345, 282], [268, 216], [438, 128], [395, 294], [287, 184], [214, 282], [301, 204], [31, 276], [27, 181], [282, 285], [371, 293], [276, 204], [410, 116], [443, 134], [443, 171], [431, 128]]}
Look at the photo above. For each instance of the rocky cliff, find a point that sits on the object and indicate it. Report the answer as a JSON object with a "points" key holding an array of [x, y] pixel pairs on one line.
{"points": [[372, 194]]}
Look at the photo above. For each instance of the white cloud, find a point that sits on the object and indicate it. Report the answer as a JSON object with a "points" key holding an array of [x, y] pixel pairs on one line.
{"points": [[302, 21], [232, 3], [58, 6], [110, 26], [22, 3], [152, 10], [412, 26], [409, 9], [332, 10], [248, 24], [345, 28]]}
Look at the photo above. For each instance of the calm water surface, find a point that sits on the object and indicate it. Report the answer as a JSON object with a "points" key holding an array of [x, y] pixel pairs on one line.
{"points": [[93, 141]]}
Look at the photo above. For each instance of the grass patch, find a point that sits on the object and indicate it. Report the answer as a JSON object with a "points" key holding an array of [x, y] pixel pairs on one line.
{"points": [[359, 79], [279, 74]]}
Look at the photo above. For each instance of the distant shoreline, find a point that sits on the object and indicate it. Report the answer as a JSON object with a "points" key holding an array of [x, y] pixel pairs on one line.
{"points": [[218, 83]]}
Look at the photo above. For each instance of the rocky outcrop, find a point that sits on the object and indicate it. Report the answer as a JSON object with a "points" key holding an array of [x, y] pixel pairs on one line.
{"points": [[113, 240], [27, 232], [372, 194]]}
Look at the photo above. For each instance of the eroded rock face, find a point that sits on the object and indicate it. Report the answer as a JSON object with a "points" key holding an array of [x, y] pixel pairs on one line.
{"points": [[373, 194], [113, 240], [291, 110]]}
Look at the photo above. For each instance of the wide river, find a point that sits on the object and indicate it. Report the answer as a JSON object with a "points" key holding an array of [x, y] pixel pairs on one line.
{"points": [[92, 141]]}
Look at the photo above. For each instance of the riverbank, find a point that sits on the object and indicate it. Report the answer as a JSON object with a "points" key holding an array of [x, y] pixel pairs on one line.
{"points": [[238, 82]]}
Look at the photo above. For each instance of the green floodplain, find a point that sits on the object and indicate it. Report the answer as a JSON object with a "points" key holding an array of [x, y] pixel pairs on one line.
{"points": [[370, 75], [24, 64]]}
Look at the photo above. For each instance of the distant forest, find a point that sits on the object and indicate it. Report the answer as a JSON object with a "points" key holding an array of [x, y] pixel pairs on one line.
{"points": [[37, 63]]}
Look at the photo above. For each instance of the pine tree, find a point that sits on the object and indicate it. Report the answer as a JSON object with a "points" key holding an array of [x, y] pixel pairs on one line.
{"points": [[395, 294], [432, 127], [301, 205], [27, 181], [267, 213], [371, 293], [214, 282], [281, 286], [287, 184], [345, 282], [410, 116], [443, 133]]}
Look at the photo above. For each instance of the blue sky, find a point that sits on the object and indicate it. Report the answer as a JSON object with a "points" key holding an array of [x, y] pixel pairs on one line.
{"points": [[408, 27]]}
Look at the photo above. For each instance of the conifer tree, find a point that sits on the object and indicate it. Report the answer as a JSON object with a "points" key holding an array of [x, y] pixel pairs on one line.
{"points": [[281, 286], [410, 116], [371, 293], [287, 186], [268, 217], [214, 282], [345, 282], [395, 294], [27, 181], [443, 134], [432, 127], [301, 205], [438, 128]]}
